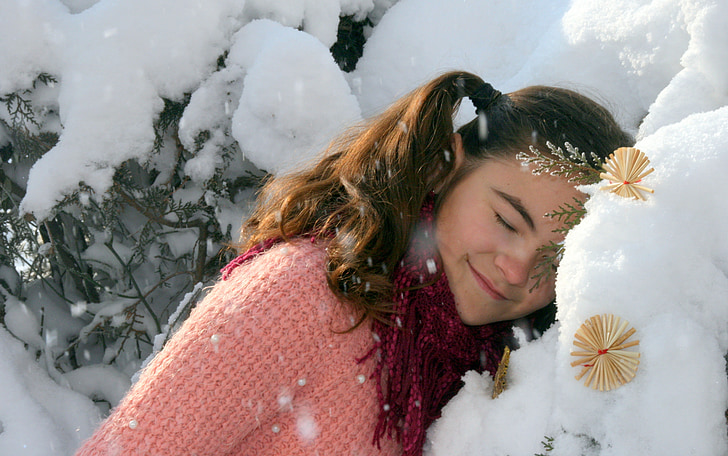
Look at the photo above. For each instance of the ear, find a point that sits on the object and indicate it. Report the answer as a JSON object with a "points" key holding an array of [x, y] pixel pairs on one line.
{"points": [[458, 154], [456, 145]]}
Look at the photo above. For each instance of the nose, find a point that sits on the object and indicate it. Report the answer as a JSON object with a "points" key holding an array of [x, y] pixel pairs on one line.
{"points": [[516, 267]]}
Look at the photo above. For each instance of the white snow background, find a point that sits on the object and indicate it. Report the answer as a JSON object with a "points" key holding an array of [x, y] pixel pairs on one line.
{"points": [[661, 66]]}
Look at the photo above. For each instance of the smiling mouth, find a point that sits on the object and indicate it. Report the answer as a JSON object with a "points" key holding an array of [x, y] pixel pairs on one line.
{"points": [[486, 284]]}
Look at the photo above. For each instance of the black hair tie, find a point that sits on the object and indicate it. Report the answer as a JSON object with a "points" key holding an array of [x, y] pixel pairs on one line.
{"points": [[484, 97]]}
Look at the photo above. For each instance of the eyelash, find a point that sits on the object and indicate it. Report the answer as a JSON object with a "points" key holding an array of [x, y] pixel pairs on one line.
{"points": [[501, 221]]}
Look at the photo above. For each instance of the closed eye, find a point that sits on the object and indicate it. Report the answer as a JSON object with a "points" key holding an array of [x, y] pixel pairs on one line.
{"points": [[518, 206], [501, 221]]}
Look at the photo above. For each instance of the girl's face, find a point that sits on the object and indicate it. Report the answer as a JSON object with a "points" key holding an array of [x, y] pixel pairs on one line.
{"points": [[489, 229]]}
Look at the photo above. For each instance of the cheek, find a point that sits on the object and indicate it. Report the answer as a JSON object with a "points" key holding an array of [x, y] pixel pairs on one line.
{"points": [[543, 295], [482, 228], [465, 232]]}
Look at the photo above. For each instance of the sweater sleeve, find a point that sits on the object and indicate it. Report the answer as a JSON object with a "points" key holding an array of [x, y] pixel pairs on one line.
{"points": [[231, 365]]}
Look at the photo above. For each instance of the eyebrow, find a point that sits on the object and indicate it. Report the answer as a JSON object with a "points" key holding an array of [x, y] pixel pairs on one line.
{"points": [[518, 206]]}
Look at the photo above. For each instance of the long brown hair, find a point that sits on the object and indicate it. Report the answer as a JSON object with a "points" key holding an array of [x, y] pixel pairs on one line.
{"points": [[536, 115], [365, 194]]}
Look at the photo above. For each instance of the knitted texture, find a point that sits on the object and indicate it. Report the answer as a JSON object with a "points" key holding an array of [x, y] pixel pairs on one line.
{"points": [[427, 348], [259, 368]]}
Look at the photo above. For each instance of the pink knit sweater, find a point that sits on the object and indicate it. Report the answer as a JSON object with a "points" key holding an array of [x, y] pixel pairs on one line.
{"points": [[257, 369]]}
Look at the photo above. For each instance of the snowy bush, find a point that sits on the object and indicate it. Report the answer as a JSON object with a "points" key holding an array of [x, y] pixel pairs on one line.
{"points": [[96, 280], [134, 133], [123, 178]]}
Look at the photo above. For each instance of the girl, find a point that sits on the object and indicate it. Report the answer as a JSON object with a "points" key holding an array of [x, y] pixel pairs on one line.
{"points": [[369, 284]]}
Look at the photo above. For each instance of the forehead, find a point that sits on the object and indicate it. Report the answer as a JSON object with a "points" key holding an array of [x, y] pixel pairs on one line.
{"points": [[538, 193]]}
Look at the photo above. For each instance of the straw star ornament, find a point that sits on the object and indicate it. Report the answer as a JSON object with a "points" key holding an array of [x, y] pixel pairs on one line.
{"points": [[625, 169], [603, 339]]}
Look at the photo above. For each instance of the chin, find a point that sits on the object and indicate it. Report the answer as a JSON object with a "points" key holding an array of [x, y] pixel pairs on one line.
{"points": [[472, 320]]}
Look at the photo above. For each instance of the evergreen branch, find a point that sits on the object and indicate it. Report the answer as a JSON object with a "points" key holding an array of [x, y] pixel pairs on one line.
{"points": [[569, 215], [139, 299], [201, 254], [26, 146], [20, 110], [180, 153], [548, 445], [55, 231], [45, 78], [44, 279], [142, 297], [576, 167], [545, 269], [10, 188], [155, 217]]}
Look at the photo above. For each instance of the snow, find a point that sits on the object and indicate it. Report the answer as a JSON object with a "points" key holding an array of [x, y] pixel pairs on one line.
{"points": [[294, 99], [662, 265], [22, 323], [115, 66], [661, 66], [38, 416], [99, 381]]}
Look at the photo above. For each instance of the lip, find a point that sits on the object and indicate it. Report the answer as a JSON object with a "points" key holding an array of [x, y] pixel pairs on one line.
{"points": [[486, 284]]}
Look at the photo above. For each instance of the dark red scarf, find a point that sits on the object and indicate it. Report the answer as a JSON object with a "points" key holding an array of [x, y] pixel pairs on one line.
{"points": [[424, 353]]}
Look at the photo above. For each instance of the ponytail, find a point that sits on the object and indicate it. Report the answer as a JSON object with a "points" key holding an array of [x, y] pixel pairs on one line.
{"points": [[365, 194]]}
